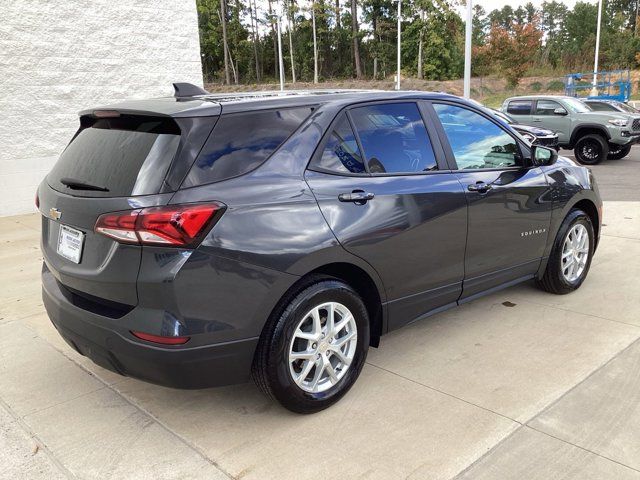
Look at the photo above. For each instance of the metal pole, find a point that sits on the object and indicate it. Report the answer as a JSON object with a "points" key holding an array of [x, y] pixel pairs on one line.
{"points": [[315, 46], [280, 62], [594, 90], [399, 41], [467, 50]]}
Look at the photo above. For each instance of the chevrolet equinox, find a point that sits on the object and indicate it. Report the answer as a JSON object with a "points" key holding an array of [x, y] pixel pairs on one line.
{"points": [[198, 240]]}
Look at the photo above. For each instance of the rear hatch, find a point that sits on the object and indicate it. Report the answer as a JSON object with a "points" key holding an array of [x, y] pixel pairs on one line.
{"points": [[115, 162]]}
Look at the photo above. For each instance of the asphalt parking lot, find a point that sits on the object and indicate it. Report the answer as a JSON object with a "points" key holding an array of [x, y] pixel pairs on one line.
{"points": [[517, 385]]}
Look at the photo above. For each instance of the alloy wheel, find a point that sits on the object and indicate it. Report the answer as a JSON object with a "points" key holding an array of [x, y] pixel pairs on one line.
{"points": [[575, 252], [323, 347], [590, 150]]}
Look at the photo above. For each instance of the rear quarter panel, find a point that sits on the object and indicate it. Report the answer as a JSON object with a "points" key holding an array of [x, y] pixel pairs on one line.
{"points": [[272, 224]]}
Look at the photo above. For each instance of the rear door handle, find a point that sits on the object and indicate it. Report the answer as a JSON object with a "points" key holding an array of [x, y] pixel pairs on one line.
{"points": [[358, 197], [479, 187]]}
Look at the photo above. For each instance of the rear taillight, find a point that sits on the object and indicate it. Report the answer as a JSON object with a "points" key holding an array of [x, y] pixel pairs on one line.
{"points": [[37, 200], [171, 225]]}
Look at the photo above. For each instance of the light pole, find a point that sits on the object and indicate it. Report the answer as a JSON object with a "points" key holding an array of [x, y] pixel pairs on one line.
{"points": [[594, 90], [399, 35], [280, 62], [315, 45], [467, 51]]}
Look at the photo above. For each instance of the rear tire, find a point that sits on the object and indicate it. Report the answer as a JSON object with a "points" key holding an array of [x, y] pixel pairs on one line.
{"points": [[591, 149], [571, 255], [300, 360], [618, 152]]}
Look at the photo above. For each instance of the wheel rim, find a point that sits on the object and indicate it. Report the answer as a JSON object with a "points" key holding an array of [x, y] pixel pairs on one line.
{"points": [[590, 150], [323, 347], [575, 253]]}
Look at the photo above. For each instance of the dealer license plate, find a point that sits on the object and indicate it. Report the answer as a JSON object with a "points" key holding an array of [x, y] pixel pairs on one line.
{"points": [[70, 243]]}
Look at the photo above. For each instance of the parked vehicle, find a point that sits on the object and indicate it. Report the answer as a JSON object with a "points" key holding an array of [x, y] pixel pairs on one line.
{"points": [[534, 135], [194, 241], [592, 135], [611, 106], [616, 151]]}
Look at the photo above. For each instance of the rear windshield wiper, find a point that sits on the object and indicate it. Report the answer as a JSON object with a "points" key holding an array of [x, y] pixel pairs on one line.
{"points": [[74, 184]]}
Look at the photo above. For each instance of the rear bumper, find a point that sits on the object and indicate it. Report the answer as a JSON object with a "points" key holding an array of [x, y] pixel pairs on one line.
{"points": [[98, 338]]}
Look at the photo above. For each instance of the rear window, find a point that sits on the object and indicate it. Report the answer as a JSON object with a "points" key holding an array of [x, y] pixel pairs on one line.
{"points": [[241, 142], [519, 107], [117, 157]]}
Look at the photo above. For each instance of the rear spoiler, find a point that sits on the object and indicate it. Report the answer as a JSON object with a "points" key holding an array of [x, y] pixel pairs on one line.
{"points": [[188, 90], [188, 101]]}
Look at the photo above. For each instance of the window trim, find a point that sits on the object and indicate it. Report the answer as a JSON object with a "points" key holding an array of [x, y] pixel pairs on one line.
{"points": [[438, 150], [525, 153]]}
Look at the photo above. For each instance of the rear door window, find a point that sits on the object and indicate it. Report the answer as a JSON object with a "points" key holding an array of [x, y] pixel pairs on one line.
{"points": [[341, 153], [519, 107], [117, 157], [394, 138], [241, 142]]}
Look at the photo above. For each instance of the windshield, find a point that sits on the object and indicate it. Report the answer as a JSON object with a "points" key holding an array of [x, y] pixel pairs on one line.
{"points": [[576, 105], [627, 108]]}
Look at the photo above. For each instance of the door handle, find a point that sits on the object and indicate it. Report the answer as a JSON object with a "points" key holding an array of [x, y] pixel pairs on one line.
{"points": [[358, 197], [479, 187]]}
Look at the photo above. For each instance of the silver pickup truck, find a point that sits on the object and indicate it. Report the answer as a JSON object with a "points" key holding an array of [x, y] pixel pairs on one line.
{"points": [[592, 135]]}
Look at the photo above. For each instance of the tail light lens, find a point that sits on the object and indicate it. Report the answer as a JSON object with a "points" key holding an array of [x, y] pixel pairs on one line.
{"points": [[170, 225], [161, 339]]}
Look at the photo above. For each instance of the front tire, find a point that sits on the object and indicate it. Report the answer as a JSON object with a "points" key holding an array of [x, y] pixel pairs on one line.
{"points": [[618, 152], [571, 255], [313, 348], [591, 149]]}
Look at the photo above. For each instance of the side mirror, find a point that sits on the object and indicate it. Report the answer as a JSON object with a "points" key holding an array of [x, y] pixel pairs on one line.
{"points": [[560, 111], [543, 156]]}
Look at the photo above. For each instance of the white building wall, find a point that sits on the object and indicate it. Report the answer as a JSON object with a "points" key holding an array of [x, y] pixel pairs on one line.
{"points": [[60, 56]]}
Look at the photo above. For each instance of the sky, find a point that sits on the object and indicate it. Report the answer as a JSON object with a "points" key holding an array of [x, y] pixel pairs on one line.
{"points": [[489, 5]]}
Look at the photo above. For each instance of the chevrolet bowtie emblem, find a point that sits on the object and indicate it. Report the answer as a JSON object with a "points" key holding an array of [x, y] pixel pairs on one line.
{"points": [[55, 213]]}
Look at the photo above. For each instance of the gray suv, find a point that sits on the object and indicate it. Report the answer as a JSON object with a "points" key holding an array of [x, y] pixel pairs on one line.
{"points": [[593, 135], [198, 240]]}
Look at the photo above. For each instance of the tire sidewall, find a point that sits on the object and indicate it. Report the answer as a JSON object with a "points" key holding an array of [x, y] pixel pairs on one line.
{"points": [[283, 385], [620, 152], [574, 217]]}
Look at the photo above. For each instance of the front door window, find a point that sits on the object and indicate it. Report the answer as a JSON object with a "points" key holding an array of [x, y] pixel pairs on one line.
{"points": [[477, 142]]}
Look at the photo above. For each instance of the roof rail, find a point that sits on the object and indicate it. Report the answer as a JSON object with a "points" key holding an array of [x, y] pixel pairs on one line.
{"points": [[188, 90]]}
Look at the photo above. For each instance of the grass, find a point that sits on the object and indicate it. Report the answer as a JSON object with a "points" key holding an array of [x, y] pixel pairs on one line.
{"points": [[495, 100]]}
